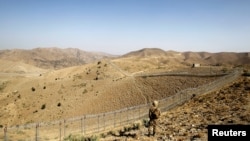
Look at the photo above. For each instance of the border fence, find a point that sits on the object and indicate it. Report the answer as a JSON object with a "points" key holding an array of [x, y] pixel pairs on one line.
{"points": [[104, 122]]}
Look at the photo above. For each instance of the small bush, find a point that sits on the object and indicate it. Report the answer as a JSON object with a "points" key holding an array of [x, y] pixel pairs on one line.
{"points": [[224, 70], [43, 106], [59, 104], [111, 133], [136, 126], [33, 89], [146, 122], [246, 74], [85, 91], [81, 138], [103, 135]]}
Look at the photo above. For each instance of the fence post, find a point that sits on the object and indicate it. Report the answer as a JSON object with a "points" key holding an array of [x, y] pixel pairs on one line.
{"points": [[181, 98], [114, 119], [139, 113], [37, 134], [186, 96], [5, 133], [127, 114], [98, 123], [64, 128], [60, 130], [84, 124], [133, 113], [104, 122], [81, 127], [120, 118]]}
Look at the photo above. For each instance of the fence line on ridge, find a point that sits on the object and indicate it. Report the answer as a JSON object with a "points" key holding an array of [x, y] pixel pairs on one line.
{"points": [[103, 122]]}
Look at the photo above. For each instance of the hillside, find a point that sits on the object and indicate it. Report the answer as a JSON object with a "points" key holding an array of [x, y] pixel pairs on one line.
{"points": [[229, 105], [188, 58], [141, 60], [31, 94], [92, 88], [18, 67], [52, 58]]}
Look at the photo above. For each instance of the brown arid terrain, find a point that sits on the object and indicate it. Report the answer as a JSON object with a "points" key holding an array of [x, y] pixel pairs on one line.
{"points": [[43, 85], [52, 58], [188, 122]]}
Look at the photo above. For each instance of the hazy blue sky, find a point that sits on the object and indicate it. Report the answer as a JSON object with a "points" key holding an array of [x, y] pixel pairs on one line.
{"points": [[121, 26]]}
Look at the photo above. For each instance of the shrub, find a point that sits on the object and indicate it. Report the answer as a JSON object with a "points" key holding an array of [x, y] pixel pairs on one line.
{"points": [[43, 106], [2, 86], [246, 74], [111, 133], [33, 89], [146, 122], [80, 138], [85, 91], [59, 104], [224, 70]]}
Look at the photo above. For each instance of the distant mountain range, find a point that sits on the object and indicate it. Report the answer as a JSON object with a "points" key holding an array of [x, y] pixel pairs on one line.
{"points": [[206, 58], [56, 58], [52, 58]]}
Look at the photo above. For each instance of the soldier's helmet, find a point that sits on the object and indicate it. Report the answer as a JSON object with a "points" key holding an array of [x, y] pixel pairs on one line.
{"points": [[155, 103]]}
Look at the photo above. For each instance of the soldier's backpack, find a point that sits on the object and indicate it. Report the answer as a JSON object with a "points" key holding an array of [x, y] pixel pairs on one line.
{"points": [[156, 113]]}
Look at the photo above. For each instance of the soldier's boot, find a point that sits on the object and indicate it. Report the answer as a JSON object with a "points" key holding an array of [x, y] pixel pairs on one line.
{"points": [[154, 131], [149, 131]]}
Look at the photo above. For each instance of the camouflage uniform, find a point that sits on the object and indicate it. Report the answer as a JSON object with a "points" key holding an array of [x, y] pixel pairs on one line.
{"points": [[153, 121]]}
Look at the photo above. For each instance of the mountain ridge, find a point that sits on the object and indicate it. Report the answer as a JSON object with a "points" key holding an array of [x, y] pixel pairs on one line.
{"points": [[52, 58]]}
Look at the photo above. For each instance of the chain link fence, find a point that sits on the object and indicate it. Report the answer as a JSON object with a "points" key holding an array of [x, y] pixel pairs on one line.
{"points": [[104, 122]]}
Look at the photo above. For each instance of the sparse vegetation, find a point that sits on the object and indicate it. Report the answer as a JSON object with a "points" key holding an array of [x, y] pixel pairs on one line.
{"points": [[128, 90], [58, 104], [246, 73], [33, 89], [2, 86], [84, 91], [83, 84], [43, 106], [81, 138], [224, 70]]}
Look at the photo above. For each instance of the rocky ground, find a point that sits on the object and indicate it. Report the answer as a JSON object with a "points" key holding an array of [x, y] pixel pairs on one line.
{"points": [[188, 122]]}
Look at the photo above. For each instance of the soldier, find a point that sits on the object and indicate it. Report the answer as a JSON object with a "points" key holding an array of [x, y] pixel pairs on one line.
{"points": [[154, 114]]}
